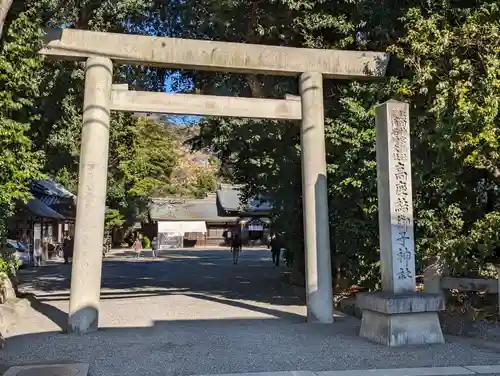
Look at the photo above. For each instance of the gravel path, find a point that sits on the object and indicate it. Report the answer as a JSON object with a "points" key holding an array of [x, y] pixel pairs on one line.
{"points": [[194, 312]]}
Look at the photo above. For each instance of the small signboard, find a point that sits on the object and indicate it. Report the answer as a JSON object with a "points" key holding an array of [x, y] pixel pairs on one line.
{"points": [[253, 227], [256, 225], [170, 240]]}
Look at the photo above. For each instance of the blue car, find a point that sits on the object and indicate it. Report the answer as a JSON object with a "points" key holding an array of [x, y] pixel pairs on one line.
{"points": [[20, 251]]}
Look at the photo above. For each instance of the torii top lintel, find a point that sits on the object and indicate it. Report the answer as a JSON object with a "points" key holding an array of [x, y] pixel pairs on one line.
{"points": [[73, 44]]}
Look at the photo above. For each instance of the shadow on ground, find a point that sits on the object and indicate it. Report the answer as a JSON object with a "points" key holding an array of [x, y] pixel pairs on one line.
{"points": [[41, 303], [201, 347], [249, 328], [208, 273]]}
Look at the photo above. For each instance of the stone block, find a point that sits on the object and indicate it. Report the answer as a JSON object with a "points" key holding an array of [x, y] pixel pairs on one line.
{"points": [[390, 303], [401, 319], [10, 313], [7, 289], [349, 306]]}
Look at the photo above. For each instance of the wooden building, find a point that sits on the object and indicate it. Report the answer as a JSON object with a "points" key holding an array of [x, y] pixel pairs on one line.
{"points": [[179, 222], [253, 215], [46, 218], [196, 222]]}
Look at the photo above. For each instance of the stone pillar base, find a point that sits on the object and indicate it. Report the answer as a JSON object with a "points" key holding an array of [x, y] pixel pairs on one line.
{"points": [[401, 319]]}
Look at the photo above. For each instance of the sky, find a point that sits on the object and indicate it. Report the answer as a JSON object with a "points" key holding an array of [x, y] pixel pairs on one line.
{"points": [[170, 80], [179, 120]]}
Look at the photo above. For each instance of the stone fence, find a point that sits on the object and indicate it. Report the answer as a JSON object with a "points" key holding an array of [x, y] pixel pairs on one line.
{"points": [[436, 280]]}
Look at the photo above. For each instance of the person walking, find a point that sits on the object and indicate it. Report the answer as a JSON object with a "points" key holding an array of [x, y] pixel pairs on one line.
{"points": [[276, 245], [137, 246], [37, 253], [68, 247], [236, 247], [154, 246]]}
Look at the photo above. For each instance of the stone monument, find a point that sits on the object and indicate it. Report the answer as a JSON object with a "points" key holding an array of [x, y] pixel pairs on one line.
{"points": [[398, 315]]}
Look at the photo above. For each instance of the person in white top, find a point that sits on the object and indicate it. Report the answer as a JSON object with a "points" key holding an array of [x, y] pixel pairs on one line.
{"points": [[37, 253]]}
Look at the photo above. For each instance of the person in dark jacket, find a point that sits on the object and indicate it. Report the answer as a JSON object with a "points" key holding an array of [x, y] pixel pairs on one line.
{"points": [[236, 247], [276, 245], [68, 245]]}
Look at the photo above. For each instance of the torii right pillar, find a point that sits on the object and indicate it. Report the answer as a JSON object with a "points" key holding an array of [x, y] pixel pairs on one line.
{"points": [[398, 315], [319, 290]]}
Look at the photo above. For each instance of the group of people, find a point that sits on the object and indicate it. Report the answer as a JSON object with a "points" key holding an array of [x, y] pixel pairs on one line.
{"points": [[69, 244], [137, 247], [276, 244]]}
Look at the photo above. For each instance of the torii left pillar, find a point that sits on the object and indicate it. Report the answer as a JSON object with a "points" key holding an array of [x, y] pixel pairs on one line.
{"points": [[92, 184]]}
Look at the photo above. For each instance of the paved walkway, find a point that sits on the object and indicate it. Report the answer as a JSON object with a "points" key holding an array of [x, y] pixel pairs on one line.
{"points": [[194, 313]]}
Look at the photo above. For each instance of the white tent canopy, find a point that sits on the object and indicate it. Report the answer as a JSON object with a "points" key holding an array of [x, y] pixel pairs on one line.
{"points": [[182, 226]]}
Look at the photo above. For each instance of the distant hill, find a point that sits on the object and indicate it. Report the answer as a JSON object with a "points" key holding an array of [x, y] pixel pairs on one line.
{"points": [[197, 172], [196, 168], [185, 133]]}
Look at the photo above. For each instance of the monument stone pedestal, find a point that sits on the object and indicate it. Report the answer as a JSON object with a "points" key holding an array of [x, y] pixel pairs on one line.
{"points": [[398, 315], [401, 319]]}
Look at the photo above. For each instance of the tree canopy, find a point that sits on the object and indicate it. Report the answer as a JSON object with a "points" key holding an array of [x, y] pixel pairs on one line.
{"points": [[19, 161], [445, 63], [41, 111]]}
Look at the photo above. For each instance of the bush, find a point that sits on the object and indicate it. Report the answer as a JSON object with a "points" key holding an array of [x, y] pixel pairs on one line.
{"points": [[4, 267], [146, 243], [8, 263], [8, 270]]}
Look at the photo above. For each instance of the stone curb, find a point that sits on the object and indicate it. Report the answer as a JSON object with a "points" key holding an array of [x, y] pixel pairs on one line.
{"points": [[10, 312], [423, 371], [478, 342], [74, 369]]}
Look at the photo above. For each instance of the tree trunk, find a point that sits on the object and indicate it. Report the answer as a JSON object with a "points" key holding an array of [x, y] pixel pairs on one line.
{"points": [[5, 6]]}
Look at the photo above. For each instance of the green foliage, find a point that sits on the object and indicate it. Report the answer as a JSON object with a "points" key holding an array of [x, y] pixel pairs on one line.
{"points": [[19, 81], [146, 243], [8, 264], [113, 219], [41, 102], [453, 60], [446, 64], [190, 178], [142, 158]]}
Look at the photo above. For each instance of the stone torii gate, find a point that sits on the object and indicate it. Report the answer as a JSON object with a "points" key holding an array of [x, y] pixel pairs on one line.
{"points": [[101, 50]]}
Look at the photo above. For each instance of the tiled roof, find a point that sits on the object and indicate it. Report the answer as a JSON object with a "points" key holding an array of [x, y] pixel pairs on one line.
{"points": [[39, 209], [185, 210], [50, 199], [50, 188], [223, 206], [230, 201], [51, 193]]}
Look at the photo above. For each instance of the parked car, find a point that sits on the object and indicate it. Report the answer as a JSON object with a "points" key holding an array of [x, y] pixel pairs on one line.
{"points": [[20, 251]]}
